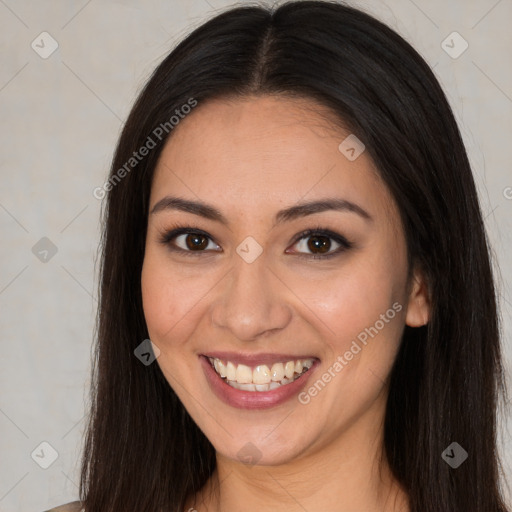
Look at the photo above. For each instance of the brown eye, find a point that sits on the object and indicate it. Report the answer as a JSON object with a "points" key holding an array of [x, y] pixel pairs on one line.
{"points": [[189, 241], [319, 243], [195, 241]]}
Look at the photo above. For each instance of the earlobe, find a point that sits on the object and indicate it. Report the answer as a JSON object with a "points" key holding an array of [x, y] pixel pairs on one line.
{"points": [[418, 307]]}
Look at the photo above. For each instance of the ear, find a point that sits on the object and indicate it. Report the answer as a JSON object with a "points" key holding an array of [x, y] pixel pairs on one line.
{"points": [[418, 306]]}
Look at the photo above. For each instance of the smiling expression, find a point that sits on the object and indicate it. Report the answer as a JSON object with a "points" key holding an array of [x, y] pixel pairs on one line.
{"points": [[266, 245]]}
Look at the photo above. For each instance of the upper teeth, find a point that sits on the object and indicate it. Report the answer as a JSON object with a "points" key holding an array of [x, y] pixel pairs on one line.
{"points": [[261, 374]]}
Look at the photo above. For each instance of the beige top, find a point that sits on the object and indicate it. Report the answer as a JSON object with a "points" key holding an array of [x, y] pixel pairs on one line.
{"points": [[73, 506]]}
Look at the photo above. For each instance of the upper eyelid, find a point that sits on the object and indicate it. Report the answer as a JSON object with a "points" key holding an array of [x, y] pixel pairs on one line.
{"points": [[190, 232], [299, 236], [317, 231]]}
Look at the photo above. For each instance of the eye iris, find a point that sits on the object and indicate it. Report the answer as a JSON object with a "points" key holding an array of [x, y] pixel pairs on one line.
{"points": [[195, 241], [320, 243]]}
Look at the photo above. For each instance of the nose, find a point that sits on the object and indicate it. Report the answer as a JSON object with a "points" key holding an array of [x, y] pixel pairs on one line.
{"points": [[251, 301]]}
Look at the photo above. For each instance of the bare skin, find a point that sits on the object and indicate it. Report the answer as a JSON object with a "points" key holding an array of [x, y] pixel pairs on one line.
{"points": [[250, 158]]}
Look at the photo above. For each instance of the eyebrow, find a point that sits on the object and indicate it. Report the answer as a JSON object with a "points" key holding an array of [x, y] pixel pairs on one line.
{"points": [[288, 214]]}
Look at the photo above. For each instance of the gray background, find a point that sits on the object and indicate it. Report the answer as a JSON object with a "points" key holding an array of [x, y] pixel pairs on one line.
{"points": [[60, 119]]}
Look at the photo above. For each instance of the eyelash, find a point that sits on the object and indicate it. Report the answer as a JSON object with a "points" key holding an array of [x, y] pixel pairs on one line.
{"points": [[168, 236]]}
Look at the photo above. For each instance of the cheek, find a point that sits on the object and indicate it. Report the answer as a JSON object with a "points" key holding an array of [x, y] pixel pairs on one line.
{"points": [[360, 324], [359, 311], [169, 300], [348, 300], [171, 305]]}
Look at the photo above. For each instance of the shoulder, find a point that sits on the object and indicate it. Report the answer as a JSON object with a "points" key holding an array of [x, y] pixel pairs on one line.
{"points": [[73, 506]]}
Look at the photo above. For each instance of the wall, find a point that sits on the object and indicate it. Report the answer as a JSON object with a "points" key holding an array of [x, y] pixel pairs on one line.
{"points": [[60, 119]]}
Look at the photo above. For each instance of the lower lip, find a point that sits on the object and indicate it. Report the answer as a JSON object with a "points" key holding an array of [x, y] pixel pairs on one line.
{"points": [[253, 399]]}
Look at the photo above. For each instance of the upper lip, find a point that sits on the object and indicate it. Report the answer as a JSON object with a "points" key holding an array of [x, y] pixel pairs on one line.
{"points": [[256, 359]]}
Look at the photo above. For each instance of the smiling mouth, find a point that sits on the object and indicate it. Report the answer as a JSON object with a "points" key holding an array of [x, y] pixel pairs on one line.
{"points": [[261, 377]]}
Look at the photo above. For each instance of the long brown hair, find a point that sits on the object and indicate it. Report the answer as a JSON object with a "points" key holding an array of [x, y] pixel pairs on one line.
{"points": [[142, 451]]}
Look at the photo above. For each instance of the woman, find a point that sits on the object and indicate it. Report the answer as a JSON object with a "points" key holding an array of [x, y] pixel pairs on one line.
{"points": [[292, 221]]}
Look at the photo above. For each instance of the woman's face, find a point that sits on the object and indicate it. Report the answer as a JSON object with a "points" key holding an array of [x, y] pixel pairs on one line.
{"points": [[242, 283]]}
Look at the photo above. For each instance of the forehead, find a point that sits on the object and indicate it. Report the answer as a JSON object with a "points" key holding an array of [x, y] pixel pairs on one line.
{"points": [[259, 151]]}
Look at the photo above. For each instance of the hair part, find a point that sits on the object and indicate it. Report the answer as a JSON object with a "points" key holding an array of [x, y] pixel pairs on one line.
{"points": [[142, 450]]}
